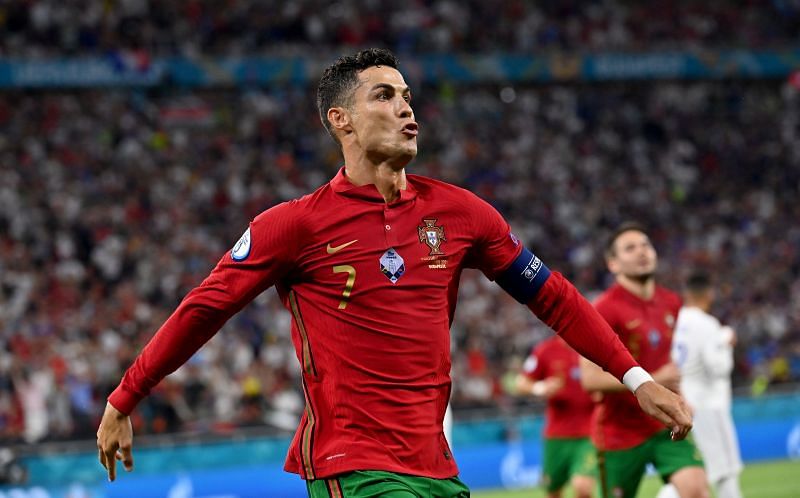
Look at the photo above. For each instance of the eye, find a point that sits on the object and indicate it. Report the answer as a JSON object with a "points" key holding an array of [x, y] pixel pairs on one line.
{"points": [[407, 98], [383, 96]]}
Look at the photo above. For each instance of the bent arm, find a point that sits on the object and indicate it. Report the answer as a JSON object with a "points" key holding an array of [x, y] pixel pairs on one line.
{"points": [[559, 305]]}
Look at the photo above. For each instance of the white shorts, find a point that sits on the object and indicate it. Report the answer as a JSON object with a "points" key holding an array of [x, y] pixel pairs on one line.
{"points": [[716, 438]]}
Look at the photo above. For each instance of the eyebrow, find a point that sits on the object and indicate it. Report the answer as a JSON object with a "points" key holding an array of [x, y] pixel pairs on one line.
{"points": [[387, 86]]}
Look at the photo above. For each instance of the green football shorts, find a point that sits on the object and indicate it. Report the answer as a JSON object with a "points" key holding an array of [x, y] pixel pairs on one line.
{"points": [[622, 470], [377, 483], [567, 457]]}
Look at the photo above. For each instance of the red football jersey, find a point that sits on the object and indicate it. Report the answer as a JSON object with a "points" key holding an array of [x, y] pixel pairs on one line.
{"points": [[645, 327], [372, 291], [569, 411]]}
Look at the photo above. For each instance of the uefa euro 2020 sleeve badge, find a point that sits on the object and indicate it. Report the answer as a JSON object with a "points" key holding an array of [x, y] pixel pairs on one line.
{"points": [[432, 235]]}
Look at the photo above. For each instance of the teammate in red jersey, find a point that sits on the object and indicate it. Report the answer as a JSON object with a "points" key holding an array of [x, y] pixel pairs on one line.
{"points": [[552, 372], [369, 266], [643, 315]]}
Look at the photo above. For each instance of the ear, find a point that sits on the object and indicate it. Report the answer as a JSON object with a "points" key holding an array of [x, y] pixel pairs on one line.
{"points": [[611, 264], [340, 119]]}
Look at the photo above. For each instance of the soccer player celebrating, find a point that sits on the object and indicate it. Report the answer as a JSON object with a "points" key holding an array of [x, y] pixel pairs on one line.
{"points": [[643, 316], [703, 350], [552, 372], [368, 265]]}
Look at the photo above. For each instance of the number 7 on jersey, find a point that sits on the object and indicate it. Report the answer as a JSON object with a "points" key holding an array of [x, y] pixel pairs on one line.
{"points": [[348, 287]]}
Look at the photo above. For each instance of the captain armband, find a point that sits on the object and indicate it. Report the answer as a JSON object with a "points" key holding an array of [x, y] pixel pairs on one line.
{"points": [[523, 279]]}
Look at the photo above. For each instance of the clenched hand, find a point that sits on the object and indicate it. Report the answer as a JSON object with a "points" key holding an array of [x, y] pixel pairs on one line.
{"points": [[115, 441]]}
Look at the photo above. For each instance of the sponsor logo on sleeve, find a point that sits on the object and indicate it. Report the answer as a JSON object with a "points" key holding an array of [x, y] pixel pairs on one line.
{"points": [[241, 250]]}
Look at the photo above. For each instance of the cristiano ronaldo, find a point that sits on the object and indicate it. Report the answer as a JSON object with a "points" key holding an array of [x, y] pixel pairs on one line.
{"points": [[369, 266]]}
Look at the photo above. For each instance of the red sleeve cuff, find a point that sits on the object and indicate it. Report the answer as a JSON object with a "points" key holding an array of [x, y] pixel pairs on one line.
{"points": [[124, 400]]}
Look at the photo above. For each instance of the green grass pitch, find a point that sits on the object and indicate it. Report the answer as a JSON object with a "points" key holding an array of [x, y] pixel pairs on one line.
{"points": [[777, 479]]}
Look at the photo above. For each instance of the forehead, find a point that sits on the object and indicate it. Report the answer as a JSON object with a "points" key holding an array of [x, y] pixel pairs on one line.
{"points": [[631, 237], [380, 75]]}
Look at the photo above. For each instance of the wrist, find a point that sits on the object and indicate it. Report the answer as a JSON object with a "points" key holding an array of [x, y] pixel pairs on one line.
{"points": [[635, 377]]}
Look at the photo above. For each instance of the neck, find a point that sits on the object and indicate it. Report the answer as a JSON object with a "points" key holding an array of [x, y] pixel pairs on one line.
{"points": [[703, 304], [388, 178], [643, 287]]}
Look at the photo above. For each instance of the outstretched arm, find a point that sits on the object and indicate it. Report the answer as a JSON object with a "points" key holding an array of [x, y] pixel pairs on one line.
{"points": [[262, 256], [559, 305]]}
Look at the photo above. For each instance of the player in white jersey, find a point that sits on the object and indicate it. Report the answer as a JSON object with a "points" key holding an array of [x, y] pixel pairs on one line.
{"points": [[703, 350]]}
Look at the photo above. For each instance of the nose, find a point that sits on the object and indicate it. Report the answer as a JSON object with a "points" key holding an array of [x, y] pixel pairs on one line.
{"points": [[404, 110]]}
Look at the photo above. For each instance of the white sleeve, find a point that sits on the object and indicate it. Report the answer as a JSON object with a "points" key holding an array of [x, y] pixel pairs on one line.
{"points": [[717, 352]]}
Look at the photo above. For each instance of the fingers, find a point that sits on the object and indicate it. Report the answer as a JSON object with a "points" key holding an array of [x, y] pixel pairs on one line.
{"points": [[666, 406], [111, 463], [681, 419], [108, 459], [125, 455], [115, 441]]}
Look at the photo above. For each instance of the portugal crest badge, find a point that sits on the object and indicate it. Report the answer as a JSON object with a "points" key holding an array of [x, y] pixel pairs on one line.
{"points": [[432, 235]]}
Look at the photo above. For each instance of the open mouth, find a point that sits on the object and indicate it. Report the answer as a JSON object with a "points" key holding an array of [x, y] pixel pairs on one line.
{"points": [[411, 129]]}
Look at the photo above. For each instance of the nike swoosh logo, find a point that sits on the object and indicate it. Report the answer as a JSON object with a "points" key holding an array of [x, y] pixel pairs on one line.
{"points": [[332, 250]]}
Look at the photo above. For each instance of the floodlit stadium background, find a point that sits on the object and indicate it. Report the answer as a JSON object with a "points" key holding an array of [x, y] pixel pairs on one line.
{"points": [[137, 138]]}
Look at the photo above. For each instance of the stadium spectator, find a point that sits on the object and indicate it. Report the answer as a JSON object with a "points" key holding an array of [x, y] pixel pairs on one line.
{"points": [[134, 31]]}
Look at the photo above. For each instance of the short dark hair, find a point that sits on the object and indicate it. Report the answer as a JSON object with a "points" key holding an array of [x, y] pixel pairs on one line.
{"points": [[341, 78], [698, 281], [628, 226]]}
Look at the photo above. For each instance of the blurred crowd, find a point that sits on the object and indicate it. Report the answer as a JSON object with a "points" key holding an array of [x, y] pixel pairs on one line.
{"points": [[148, 28], [114, 204]]}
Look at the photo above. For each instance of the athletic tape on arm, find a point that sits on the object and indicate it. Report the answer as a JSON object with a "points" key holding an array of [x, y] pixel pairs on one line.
{"points": [[524, 277]]}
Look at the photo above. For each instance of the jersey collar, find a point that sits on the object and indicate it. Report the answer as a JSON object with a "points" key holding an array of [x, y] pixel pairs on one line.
{"points": [[342, 186], [630, 296]]}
